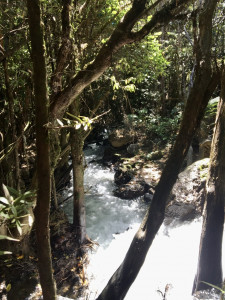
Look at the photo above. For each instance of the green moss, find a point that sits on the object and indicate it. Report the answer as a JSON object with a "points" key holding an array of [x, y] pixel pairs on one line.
{"points": [[203, 168]]}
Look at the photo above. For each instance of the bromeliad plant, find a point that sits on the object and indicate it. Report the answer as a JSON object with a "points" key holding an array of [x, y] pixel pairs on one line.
{"points": [[14, 206]]}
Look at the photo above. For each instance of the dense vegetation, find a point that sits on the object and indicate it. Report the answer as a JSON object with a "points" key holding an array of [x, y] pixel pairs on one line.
{"points": [[72, 67]]}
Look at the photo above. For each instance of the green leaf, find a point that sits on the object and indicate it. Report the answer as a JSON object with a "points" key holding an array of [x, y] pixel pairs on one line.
{"points": [[75, 117], [8, 288], [13, 192], [4, 215], [14, 211], [214, 286]]}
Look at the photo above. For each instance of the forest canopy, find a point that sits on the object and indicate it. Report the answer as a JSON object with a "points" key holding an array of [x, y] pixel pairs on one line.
{"points": [[73, 69]]}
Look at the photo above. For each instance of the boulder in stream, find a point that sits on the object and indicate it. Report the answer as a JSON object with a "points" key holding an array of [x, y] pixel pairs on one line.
{"points": [[121, 137], [133, 189], [188, 193]]}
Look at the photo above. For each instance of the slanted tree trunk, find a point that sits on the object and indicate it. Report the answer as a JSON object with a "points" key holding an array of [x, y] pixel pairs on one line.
{"points": [[210, 250], [43, 159], [201, 91], [77, 143]]}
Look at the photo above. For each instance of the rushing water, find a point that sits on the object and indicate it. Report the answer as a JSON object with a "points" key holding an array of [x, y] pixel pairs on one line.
{"points": [[112, 222]]}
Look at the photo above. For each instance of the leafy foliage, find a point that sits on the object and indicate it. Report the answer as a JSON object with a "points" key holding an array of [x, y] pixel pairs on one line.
{"points": [[161, 130], [14, 206]]}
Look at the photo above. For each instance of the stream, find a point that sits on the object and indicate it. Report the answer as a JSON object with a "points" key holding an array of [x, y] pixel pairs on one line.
{"points": [[112, 222]]}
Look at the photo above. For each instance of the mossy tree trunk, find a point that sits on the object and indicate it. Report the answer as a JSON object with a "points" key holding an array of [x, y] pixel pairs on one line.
{"points": [[204, 84], [210, 250], [43, 152]]}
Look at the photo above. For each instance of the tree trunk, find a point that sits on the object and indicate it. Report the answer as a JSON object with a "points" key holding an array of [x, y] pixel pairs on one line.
{"points": [[65, 49], [77, 143], [9, 95], [203, 87], [43, 160], [210, 251]]}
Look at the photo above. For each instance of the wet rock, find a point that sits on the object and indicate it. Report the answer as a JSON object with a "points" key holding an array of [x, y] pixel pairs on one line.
{"points": [[182, 211], [110, 156], [148, 197], [132, 190], [123, 175], [133, 149], [188, 193], [121, 137]]}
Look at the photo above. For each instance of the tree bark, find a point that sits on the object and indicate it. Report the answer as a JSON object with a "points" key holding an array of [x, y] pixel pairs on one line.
{"points": [[65, 48], [77, 143], [43, 159], [9, 95], [210, 250], [199, 96]]}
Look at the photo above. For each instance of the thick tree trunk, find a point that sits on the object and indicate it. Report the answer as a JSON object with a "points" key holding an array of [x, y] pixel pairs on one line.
{"points": [[203, 87], [210, 251], [77, 143], [43, 159]]}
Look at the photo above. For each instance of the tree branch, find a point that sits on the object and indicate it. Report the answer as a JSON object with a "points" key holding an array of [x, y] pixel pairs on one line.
{"points": [[121, 36]]}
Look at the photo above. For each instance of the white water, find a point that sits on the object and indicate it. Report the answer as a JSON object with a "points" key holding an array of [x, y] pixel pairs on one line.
{"points": [[112, 222]]}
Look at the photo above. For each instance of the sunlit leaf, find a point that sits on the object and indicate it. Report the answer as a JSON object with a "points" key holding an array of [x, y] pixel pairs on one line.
{"points": [[59, 122], [8, 288], [19, 228], [5, 237], [5, 252], [26, 126], [4, 200], [85, 127], [78, 125], [7, 194]]}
